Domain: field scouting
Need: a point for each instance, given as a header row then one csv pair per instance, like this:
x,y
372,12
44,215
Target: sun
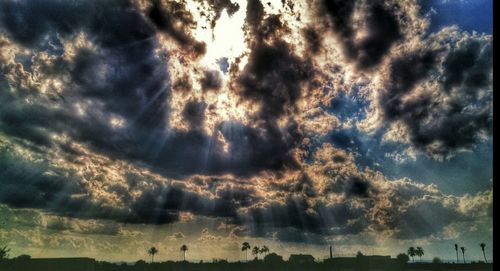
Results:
x,y
224,42
225,45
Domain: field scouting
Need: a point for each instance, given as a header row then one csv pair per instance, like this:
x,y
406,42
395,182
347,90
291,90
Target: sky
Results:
x,y
299,125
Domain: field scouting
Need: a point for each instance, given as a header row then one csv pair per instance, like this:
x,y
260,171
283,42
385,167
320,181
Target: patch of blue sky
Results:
x,y
469,15
349,105
466,172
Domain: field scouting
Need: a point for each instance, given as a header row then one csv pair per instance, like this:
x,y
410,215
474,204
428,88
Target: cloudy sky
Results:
x,y
365,125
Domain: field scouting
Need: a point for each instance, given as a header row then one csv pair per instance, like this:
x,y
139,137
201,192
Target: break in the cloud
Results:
x,y
129,114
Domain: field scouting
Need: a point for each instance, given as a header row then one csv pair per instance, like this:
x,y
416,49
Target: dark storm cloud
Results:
x,y
457,114
255,13
113,23
358,187
271,27
33,123
59,191
123,77
273,78
63,192
237,196
39,186
366,204
313,221
382,29
184,153
123,74
274,73
183,84
313,39
211,80
350,186
30,21
174,19
218,6
302,186
406,72
291,214
194,114
430,217
131,82
256,149
468,67
162,205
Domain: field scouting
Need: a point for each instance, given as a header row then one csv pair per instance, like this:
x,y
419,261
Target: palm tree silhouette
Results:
x,y
184,248
412,253
483,245
419,252
152,251
245,247
255,251
463,252
4,252
264,250
456,250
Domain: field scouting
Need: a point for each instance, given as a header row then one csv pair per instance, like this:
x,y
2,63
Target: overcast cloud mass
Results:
x,y
366,125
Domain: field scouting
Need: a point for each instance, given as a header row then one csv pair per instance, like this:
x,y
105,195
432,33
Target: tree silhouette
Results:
x,y
264,250
402,258
483,245
436,260
359,254
456,250
273,259
255,251
245,247
184,248
152,251
4,252
463,252
412,253
419,252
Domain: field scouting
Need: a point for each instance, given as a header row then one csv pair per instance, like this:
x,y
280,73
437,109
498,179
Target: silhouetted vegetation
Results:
x,y
436,260
412,253
419,252
4,252
403,258
152,251
270,261
184,248
255,252
273,259
245,247
483,245
264,250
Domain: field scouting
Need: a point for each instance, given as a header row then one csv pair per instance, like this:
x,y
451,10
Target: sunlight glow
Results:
x,y
228,38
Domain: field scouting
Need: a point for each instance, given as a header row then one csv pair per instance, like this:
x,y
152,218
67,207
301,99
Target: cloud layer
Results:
x,y
111,111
